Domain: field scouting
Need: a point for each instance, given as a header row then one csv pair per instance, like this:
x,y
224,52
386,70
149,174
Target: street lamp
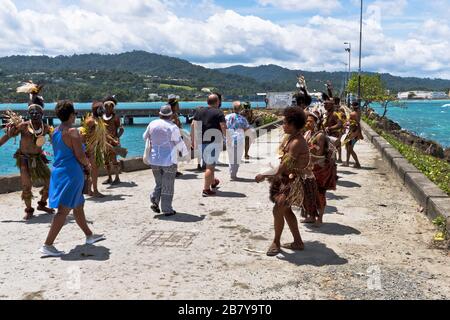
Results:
x,y
349,50
360,53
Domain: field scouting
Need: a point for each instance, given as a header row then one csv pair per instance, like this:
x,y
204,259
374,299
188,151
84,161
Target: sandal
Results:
x,y
294,247
155,208
273,251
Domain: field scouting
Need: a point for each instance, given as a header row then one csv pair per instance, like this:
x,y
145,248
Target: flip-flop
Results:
x,y
293,247
273,251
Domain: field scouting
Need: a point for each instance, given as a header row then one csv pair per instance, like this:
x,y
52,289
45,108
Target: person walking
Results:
x,y
164,140
237,125
67,179
213,128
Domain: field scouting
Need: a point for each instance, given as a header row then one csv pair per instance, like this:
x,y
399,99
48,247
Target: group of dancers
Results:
x,y
101,131
306,170
308,157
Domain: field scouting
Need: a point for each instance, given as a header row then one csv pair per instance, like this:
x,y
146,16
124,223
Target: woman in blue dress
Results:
x,y
67,179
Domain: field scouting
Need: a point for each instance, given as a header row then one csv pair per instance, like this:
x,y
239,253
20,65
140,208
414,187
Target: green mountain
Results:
x,y
132,76
278,76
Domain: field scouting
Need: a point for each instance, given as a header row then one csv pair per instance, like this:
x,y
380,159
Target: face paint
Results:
x,y
35,114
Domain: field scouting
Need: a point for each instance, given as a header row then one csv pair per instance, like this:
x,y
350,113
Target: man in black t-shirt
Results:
x,y
211,122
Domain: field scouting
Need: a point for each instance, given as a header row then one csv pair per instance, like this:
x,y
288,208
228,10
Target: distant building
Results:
x,y
422,95
154,97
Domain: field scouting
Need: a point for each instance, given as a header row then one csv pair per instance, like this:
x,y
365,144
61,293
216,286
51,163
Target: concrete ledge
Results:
x,y
389,154
439,207
368,131
401,167
428,194
134,164
422,188
380,143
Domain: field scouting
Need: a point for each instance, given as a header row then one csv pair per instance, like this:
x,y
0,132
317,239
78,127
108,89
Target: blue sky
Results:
x,y
403,37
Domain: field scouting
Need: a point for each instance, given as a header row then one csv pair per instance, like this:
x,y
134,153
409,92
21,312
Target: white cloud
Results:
x,y
219,36
303,5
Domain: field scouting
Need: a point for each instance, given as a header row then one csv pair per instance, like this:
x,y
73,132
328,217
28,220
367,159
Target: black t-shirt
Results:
x,y
211,118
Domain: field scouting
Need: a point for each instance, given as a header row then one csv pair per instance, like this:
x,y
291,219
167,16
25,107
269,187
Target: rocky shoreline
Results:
x,y
427,146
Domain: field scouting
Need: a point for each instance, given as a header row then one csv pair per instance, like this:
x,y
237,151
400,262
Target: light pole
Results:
x,y
349,50
360,53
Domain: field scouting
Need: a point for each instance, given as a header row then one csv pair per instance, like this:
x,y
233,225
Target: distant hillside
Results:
x,y
278,76
150,69
134,75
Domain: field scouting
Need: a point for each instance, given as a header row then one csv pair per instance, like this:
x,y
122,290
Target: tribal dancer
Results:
x,y
97,141
354,135
323,155
287,188
115,130
30,157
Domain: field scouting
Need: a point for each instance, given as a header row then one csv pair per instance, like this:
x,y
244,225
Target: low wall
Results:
x,y
11,183
434,201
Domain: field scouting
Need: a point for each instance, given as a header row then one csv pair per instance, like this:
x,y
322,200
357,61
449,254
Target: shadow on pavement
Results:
x,y
334,229
245,180
87,252
331,210
123,185
346,172
181,217
188,177
117,197
332,196
348,184
41,219
315,254
223,194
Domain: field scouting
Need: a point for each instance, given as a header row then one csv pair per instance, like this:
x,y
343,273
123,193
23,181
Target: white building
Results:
x,y
423,95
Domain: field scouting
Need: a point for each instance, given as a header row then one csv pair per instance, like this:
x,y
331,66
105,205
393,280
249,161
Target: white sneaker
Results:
x,y
50,251
95,238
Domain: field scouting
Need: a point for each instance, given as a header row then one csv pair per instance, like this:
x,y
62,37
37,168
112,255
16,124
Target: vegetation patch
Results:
x,y
435,169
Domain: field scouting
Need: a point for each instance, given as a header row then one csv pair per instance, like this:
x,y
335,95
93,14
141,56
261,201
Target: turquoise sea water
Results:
x,y
428,119
132,138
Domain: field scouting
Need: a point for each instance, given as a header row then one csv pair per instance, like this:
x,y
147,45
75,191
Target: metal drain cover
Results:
x,y
171,239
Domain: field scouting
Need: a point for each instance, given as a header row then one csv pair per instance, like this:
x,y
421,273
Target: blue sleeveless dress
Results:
x,y
67,180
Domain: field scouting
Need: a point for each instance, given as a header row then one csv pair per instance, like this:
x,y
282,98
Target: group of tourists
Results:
x,y
307,168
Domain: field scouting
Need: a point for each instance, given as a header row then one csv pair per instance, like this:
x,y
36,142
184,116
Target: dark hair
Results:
x,y
64,109
111,98
295,117
303,98
35,99
96,106
355,104
337,101
219,95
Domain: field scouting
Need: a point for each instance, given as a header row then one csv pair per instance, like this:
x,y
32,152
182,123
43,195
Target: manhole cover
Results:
x,y
173,239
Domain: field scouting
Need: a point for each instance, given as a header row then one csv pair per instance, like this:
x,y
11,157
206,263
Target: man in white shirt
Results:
x,y
166,143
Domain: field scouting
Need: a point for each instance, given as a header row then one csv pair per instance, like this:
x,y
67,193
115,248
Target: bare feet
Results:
x,y
274,250
308,220
28,214
357,166
45,209
109,181
294,246
97,194
346,165
116,182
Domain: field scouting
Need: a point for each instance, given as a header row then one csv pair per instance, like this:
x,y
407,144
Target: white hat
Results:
x,y
166,111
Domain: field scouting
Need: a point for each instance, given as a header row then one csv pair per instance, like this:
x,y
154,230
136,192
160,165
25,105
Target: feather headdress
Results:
x,y
33,90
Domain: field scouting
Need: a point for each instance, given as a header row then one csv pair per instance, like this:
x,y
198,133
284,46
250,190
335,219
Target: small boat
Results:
x,y
446,105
